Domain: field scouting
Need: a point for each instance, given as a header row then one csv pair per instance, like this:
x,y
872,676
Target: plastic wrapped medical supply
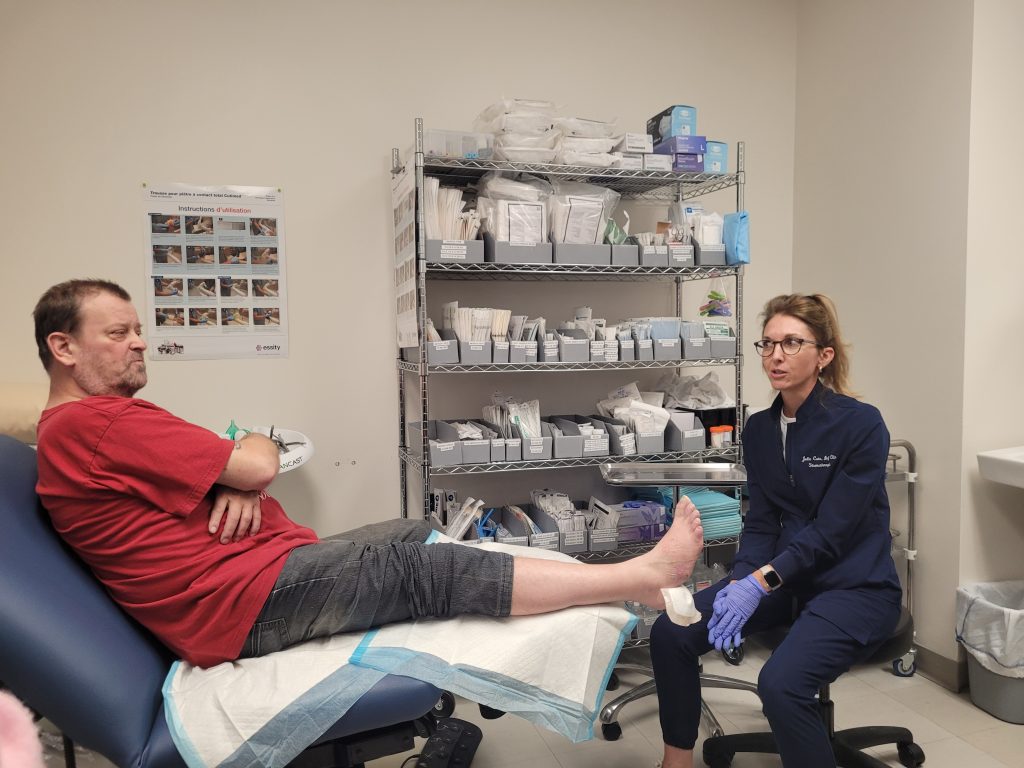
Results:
x,y
579,212
514,210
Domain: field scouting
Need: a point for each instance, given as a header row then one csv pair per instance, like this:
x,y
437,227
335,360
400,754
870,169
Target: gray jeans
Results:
x,y
378,574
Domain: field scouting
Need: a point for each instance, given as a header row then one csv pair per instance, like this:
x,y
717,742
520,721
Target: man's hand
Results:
x,y
240,511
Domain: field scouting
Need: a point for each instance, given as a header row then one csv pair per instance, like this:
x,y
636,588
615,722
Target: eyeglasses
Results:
x,y
790,345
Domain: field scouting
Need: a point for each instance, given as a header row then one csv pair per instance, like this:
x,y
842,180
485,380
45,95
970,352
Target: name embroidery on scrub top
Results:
x,y
819,462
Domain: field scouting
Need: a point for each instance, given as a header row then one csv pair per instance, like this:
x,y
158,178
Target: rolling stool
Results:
x,y
846,744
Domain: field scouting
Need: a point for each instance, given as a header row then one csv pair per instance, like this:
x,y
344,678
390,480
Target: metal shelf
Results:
x,y
591,461
404,365
654,186
632,550
492,271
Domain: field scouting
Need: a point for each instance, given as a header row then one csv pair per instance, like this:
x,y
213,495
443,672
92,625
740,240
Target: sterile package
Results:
x,y
514,221
586,159
578,126
636,142
657,162
634,162
525,154
586,144
516,116
547,140
579,212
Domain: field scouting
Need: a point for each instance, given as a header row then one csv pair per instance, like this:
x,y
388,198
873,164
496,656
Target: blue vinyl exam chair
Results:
x,y
70,653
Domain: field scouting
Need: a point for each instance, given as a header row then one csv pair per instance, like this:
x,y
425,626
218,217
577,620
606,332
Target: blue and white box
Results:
x,y
716,158
682,145
677,120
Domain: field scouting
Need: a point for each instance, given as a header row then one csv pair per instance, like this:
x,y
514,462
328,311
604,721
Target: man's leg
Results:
x,y
339,585
675,655
386,532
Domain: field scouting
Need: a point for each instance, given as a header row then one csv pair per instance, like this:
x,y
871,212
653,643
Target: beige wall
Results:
x,y
881,224
311,96
992,525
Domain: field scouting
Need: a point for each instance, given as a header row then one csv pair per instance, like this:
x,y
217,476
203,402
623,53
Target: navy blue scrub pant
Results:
x,y
814,652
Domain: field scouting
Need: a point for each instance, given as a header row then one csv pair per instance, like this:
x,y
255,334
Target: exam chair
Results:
x,y
70,653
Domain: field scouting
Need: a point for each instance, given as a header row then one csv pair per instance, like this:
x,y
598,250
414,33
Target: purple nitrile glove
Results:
x,y
733,611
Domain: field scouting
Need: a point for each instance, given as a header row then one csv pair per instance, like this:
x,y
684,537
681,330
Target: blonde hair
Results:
x,y
818,312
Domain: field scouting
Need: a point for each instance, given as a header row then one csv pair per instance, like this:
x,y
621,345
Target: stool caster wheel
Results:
x,y
733,655
718,759
611,731
613,682
910,754
901,669
490,713
444,707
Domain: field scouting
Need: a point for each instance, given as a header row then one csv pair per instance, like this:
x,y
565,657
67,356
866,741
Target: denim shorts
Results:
x,y
378,574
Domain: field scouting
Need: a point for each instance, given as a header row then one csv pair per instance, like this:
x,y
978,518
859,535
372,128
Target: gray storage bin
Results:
x,y
500,252
565,446
513,449
520,534
547,351
597,353
627,351
709,255
603,540
697,349
667,349
680,255
442,352
722,346
499,351
644,349
520,352
677,439
444,445
573,350
653,255
475,352
650,442
595,444
576,253
625,255
569,542
455,251
535,448
498,453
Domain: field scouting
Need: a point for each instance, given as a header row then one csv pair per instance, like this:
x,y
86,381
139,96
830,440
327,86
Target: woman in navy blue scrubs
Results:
x,y
815,552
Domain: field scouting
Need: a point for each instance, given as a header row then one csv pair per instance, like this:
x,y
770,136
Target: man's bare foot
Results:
x,y
671,561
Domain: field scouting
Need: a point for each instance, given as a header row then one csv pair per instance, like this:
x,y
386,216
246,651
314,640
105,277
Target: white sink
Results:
x,y
1005,465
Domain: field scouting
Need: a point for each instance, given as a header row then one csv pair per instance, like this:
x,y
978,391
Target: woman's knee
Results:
x,y
779,689
690,641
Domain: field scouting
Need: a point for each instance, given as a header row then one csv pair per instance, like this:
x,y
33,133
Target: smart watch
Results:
x,y
771,578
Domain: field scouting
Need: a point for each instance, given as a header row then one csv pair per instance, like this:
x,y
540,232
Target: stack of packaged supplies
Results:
x,y
719,512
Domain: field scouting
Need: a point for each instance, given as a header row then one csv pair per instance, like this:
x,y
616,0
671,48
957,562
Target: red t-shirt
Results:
x,y
128,486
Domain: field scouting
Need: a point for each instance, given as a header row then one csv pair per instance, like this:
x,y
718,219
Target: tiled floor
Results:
x,y
950,729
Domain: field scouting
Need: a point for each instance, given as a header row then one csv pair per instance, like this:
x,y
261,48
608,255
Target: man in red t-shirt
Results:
x,y
176,523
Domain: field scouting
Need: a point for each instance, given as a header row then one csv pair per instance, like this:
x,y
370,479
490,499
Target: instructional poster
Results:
x,y
403,199
215,265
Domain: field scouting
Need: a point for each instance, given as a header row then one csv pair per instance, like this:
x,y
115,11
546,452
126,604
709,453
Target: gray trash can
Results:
x,y
990,626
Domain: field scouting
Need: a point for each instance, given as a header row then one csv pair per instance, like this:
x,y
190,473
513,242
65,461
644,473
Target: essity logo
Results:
x,y
171,348
268,347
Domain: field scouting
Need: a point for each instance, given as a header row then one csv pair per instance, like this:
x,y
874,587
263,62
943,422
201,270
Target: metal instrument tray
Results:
x,y
655,473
